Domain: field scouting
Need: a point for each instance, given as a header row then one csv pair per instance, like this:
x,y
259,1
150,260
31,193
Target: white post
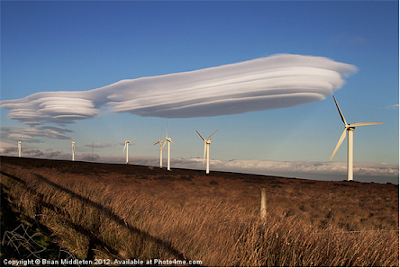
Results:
x,y
350,155
160,157
169,154
19,149
263,210
208,158
127,152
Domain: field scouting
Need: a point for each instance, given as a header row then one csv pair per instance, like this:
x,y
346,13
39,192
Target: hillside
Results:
x,y
119,212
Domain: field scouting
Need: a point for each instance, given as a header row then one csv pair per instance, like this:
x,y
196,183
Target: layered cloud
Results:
x,y
28,133
278,81
50,107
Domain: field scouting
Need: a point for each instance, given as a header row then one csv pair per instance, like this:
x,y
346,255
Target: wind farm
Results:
x,y
262,80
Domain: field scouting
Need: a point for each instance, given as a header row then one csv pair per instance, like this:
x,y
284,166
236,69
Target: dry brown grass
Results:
x,y
104,211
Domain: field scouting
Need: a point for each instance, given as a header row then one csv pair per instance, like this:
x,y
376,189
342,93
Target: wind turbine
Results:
x,y
207,143
168,139
73,150
160,141
19,148
348,128
127,149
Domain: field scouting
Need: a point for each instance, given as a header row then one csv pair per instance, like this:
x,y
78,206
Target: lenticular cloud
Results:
x,y
278,81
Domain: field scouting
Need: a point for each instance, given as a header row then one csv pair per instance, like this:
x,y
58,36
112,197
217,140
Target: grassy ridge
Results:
x,y
119,211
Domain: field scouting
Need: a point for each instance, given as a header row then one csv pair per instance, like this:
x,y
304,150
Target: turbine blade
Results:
x,y
124,148
200,135
172,141
212,134
340,112
165,142
161,134
339,142
364,124
156,143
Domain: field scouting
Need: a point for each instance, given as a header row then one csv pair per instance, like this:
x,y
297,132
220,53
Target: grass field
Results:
x,y
118,212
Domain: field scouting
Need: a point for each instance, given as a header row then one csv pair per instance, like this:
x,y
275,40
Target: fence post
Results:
x,y
263,210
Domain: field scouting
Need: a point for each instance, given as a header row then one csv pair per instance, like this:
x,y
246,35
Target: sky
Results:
x,y
262,72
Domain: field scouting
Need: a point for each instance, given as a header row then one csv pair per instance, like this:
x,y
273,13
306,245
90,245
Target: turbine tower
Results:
x,y
168,139
207,143
127,149
19,148
73,150
160,141
348,128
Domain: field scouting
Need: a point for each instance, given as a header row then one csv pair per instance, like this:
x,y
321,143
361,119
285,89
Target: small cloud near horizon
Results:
x,y
392,107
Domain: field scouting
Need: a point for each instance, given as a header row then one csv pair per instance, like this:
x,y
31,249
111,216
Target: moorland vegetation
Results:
x,y
119,212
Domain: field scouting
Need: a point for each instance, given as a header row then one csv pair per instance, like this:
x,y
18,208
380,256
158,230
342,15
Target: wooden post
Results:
x,y
263,210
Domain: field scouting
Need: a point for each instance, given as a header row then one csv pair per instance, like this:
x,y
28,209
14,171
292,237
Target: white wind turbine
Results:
x,y
168,139
160,141
127,149
207,143
348,128
19,148
73,150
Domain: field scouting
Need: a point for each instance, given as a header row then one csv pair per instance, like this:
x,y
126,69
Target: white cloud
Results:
x,y
332,168
27,133
366,172
273,82
394,107
50,107
277,168
6,147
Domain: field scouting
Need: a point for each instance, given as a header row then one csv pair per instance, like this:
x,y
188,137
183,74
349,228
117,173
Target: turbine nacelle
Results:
x,y
126,144
159,142
73,146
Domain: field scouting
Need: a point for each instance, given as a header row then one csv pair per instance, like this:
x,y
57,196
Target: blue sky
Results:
x,y
79,46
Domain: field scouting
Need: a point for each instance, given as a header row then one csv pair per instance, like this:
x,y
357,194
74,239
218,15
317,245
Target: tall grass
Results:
x,y
120,216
